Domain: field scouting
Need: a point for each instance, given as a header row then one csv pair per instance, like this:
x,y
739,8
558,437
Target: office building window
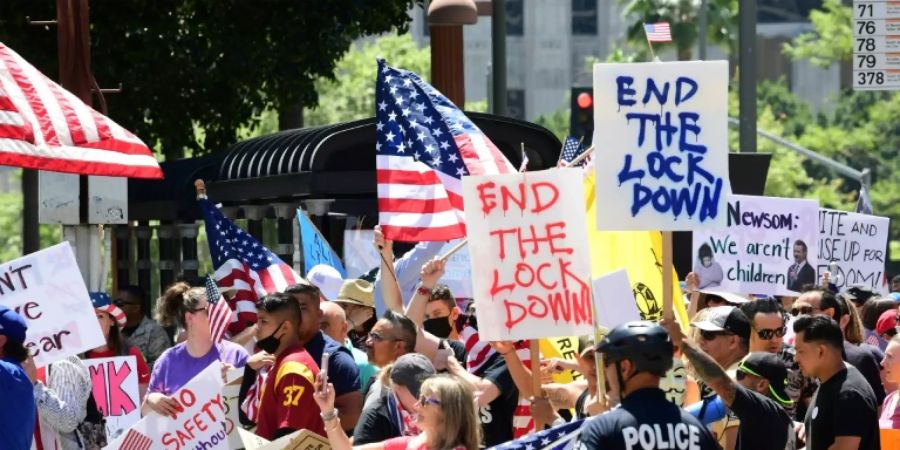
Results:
x,y
515,18
515,103
584,17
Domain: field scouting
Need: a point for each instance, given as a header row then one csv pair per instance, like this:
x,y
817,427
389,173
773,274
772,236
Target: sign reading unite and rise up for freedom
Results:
x,y
662,131
530,267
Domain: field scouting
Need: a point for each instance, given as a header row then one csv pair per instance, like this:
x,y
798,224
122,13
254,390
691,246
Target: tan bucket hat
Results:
x,y
357,292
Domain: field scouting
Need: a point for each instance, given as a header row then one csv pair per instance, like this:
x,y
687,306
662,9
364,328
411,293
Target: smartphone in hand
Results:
x,y
323,371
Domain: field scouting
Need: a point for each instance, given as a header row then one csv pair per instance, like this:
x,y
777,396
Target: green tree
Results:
x,y
11,225
683,18
215,65
350,93
831,39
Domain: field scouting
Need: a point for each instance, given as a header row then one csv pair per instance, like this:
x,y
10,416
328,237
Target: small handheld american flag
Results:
x,y
658,32
572,148
219,311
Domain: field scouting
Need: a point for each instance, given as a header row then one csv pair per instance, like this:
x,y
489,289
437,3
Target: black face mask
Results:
x,y
270,343
438,326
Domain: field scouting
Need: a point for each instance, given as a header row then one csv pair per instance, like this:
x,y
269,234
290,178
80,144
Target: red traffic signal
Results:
x,y
585,100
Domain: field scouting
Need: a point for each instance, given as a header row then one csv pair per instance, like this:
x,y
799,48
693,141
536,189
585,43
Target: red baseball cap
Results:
x,y
886,321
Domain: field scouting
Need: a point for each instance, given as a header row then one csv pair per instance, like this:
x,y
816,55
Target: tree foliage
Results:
x,y
208,64
683,18
832,38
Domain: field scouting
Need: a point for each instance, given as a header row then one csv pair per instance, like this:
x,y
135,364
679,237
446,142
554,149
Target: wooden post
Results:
x,y
668,312
536,377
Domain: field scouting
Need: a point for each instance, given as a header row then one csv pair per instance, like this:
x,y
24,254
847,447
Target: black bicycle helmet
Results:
x,y
646,344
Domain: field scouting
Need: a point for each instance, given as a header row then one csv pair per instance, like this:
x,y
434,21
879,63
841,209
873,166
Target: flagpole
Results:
x,y
536,378
668,313
649,44
581,157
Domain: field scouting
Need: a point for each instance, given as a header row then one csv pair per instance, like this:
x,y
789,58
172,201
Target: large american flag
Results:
x,y
424,146
244,265
219,311
43,126
563,437
658,32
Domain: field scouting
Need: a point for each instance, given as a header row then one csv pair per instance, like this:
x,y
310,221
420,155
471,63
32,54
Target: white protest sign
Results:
x,y
530,263
115,382
46,289
769,247
458,270
614,300
856,243
202,420
661,130
360,256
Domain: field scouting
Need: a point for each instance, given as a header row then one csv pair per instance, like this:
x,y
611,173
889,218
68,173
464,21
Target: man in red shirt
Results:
x,y
286,403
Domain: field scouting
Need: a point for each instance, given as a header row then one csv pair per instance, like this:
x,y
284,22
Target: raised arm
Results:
x,y
706,368
430,274
520,374
692,283
390,289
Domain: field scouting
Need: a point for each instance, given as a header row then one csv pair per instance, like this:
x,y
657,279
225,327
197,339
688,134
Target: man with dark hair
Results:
x,y
342,369
824,302
768,327
142,331
287,402
800,273
19,411
895,283
843,414
393,336
636,355
756,395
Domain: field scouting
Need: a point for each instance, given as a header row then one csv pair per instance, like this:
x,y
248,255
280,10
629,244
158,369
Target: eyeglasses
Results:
x,y
710,335
375,337
768,333
801,310
426,400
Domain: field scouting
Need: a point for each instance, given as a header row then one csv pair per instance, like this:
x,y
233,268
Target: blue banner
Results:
x,y
315,248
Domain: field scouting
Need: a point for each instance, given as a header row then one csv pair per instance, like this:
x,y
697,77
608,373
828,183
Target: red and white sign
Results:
x,y
528,247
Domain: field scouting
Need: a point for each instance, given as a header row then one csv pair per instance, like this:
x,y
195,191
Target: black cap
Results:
x,y
772,368
644,343
858,293
725,318
411,370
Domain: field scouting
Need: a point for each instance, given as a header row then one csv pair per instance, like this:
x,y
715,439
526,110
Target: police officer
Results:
x,y
636,355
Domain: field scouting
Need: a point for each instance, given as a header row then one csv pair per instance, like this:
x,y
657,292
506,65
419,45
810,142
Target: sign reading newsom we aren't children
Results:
x,y
661,130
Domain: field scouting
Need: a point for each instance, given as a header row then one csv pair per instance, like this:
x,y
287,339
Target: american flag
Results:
x,y
220,311
572,148
563,437
135,441
424,146
244,265
658,32
43,126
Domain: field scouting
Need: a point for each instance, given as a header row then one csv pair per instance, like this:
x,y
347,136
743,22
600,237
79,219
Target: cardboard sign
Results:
x,y
46,288
530,265
316,249
856,244
769,247
202,421
115,383
360,255
298,440
614,300
662,134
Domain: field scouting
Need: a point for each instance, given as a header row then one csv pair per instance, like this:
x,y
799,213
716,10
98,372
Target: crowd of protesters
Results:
x,y
407,369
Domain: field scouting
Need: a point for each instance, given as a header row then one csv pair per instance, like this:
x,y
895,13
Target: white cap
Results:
x,y
327,279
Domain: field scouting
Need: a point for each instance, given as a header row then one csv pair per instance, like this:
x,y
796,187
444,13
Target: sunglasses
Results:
x,y
766,333
803,310
711,335
375,337
426,400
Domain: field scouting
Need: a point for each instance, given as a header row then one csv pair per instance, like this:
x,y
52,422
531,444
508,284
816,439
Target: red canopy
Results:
x,y
43,126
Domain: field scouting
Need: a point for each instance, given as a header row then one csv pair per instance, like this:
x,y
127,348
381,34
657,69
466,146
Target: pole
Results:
x,y
668,311
747,82
498,56
704,18
536,376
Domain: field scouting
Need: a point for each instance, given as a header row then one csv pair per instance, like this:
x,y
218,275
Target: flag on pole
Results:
x,y
562,437
244,265
424,146
864,204
658,32
43,126
219,311
572,149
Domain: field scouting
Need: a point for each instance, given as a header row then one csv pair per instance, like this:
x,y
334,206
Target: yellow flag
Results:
x,y
640,253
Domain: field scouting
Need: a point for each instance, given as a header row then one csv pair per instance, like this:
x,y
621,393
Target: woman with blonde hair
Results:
x,y
188,308
445,417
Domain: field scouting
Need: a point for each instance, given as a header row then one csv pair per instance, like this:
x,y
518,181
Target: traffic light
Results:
x,y
581,121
